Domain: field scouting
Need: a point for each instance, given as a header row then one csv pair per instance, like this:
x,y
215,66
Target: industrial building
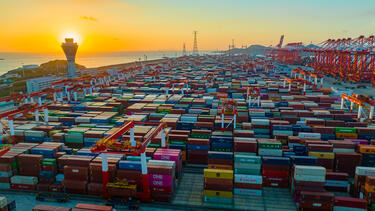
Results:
x,y
38,84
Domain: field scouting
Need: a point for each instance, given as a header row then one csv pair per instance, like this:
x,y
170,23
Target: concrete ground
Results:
x,y
369,90
188,196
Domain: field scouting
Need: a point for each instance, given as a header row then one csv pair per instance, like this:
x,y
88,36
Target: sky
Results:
x,y
154,25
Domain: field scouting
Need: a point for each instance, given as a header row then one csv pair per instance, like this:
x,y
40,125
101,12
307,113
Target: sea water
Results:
x,y
11,61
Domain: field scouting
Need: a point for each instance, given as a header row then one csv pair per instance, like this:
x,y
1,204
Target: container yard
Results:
x,y
220,132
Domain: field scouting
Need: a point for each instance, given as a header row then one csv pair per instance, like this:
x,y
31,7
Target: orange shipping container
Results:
x,y
346,135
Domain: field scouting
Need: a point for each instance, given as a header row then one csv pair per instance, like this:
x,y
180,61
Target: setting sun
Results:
x,y
71,34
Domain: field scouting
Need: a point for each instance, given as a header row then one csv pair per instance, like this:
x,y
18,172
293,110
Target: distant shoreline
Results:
x,y
130,64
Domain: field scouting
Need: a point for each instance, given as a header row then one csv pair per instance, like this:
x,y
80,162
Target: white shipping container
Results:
x,y
365,171
53,118
282,132
255,166
3,201
161,163
24,180
309,170
309,135
343,150
260,121
19,132
270,152
267,105
310,178
35,133
83,119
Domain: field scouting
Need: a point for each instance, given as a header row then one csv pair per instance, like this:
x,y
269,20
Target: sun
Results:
x,y
71,34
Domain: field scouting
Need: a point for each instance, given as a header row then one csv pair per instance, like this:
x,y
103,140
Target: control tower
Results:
x,y
70,50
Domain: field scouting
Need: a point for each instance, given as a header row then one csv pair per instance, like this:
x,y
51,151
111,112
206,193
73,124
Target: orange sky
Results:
x,y
143,25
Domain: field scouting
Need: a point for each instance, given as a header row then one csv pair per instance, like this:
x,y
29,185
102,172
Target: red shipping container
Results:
x,y
75,186
95,188
342,144
160,170
248,186
220,161
162,189
320,147
23,187
275,173
162,197
49,168
350,202
276,182
76,173
42,207
315,205
275,167
245,146
93,207
197,141
337,176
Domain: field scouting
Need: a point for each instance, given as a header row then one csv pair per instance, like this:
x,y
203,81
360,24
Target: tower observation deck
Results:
x,y
70,50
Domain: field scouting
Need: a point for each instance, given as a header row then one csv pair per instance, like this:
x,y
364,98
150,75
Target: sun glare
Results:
x,y
71,34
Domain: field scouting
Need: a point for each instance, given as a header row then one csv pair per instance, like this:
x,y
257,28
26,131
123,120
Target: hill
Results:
x,y
252,50
51,68
54,68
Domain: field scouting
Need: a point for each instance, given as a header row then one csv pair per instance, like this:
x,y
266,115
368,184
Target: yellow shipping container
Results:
x,y
325,155
214,193
369,188
302,141
219,166
218,173
183,156
367,149
346,135
53,132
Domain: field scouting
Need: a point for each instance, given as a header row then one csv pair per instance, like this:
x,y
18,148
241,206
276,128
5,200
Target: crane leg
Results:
x,y
132,141
163,144
145,182
36,113
105,174
46,115
11,127
222,122
342,103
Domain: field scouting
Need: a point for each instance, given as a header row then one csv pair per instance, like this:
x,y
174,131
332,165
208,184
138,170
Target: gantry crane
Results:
x,y
111,144
351,59
364,104
299,73
182,84
298,81
228,107
20,111
288,54
253,96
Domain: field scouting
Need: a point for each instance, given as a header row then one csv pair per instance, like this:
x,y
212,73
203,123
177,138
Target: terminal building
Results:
x,y
37,84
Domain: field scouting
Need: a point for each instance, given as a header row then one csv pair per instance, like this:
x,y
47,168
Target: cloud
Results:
x,y
89,18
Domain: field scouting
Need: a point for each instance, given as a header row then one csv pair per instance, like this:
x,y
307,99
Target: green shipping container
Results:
x,y
200,135
154,145
49,162
269,145
345,130
177,142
